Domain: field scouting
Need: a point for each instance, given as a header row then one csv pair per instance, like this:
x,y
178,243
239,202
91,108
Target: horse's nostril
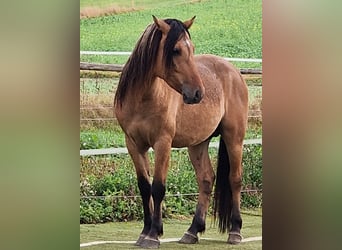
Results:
x,y
186,99
191,96
198,96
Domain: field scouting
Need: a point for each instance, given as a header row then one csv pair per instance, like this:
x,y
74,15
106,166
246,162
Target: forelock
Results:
x,y
177,30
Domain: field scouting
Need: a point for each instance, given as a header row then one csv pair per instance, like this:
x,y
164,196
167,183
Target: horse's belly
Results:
x,y
193,127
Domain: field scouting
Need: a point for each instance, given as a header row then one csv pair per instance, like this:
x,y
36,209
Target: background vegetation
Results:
x,y
226,28
108,186
109,189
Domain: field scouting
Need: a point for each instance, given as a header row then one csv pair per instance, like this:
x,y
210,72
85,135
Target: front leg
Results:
x,y
142,168
162,151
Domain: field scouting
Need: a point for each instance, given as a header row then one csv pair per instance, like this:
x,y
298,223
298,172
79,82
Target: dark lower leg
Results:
x,y
145,191
236,221
162,150
158,193
235,180
198,222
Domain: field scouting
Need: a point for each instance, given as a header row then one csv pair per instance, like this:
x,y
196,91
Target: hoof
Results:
x,y
149,243
234,238
189,238
140,239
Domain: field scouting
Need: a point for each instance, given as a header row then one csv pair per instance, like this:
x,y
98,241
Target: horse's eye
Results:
x,y
176,52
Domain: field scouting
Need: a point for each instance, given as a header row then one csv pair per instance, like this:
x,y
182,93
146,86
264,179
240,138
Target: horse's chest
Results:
x,y
147,127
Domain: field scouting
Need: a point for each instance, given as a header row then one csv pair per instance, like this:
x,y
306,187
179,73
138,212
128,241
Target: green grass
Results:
x,y
113,136
129,231
106,138
226,28
102,138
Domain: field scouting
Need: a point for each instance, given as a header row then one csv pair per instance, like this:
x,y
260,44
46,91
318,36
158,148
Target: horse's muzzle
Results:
x,y
191,96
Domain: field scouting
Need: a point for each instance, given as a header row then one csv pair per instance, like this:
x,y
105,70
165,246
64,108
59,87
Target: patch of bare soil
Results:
x,y
89,12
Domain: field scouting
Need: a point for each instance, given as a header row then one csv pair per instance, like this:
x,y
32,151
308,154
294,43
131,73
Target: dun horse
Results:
x,y
168,97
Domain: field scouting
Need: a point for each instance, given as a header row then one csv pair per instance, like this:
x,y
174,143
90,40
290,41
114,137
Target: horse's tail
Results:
x,y
223,192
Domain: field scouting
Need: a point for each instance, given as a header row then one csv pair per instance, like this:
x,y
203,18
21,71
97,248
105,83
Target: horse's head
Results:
x,y
175,60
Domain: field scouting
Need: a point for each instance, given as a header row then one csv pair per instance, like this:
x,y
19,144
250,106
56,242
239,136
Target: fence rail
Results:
x,y
108,151
166,195
126,53
119,67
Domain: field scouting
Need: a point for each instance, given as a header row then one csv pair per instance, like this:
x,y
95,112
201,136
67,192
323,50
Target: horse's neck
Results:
x,y
156,90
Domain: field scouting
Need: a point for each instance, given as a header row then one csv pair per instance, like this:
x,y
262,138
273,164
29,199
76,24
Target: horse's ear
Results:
x,y
189,22
162,25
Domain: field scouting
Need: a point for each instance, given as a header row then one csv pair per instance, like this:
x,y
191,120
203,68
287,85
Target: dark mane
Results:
x,y
138,69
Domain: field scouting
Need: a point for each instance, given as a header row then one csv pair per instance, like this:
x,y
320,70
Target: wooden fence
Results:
x,y
119,67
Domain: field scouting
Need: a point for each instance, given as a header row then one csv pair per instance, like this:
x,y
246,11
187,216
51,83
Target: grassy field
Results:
x,y
211,239
227,28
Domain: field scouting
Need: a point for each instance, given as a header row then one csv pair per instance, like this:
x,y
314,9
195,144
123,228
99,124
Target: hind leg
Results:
x,y
234,146
205,178
235,179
